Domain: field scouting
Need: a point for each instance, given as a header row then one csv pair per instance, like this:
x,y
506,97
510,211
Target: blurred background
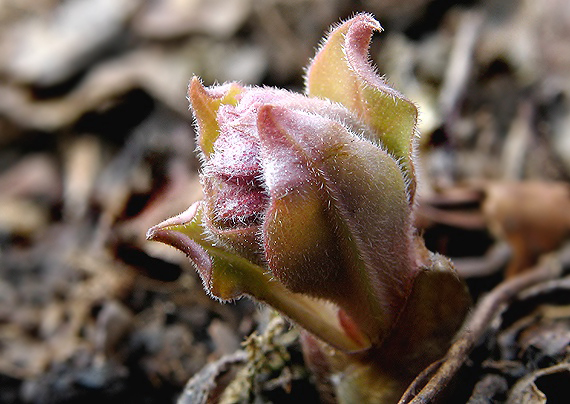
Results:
x,y
97,145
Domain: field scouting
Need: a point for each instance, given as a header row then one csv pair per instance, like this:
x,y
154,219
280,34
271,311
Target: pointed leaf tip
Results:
x,y
342,72
205,103
171,232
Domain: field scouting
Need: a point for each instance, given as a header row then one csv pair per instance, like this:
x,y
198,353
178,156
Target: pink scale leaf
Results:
x,y
338,225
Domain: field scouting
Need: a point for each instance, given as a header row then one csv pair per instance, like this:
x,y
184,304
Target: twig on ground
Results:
x,y
496,258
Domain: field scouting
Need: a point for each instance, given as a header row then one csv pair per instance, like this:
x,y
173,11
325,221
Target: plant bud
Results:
x,y
308,199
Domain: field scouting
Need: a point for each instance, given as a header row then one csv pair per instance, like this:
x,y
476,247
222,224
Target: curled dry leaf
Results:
x,y
531,216
162,73
52,49
171,18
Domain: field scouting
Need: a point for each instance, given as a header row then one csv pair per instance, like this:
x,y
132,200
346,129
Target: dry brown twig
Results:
x,y
432,381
